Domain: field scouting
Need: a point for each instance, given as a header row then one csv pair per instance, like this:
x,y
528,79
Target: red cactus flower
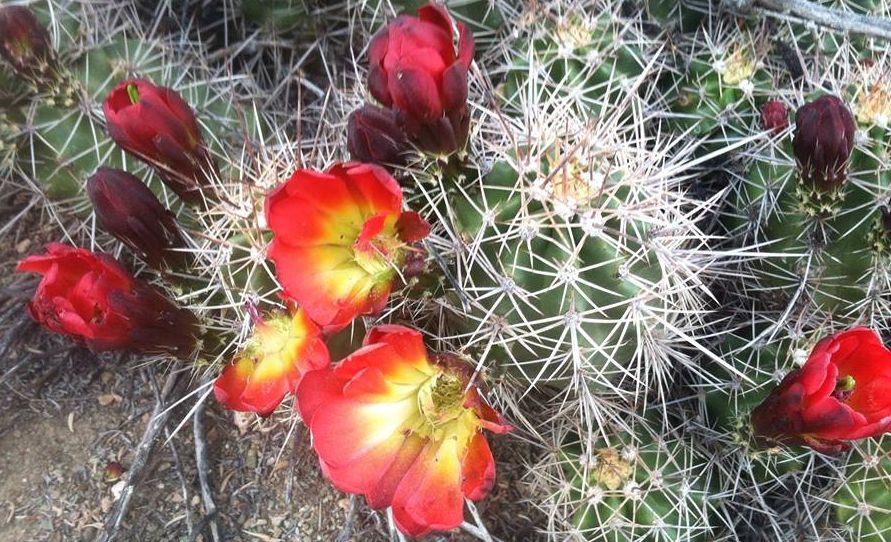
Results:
x,y
840,394
340,239
774,117
415,69
92,298
824,139
25,44
156,125
280,352
374,136
131,212
402,429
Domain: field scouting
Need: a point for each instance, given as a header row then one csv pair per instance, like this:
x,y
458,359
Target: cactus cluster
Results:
x,y
644,217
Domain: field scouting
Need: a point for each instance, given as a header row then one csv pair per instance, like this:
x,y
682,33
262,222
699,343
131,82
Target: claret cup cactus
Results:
x,y
641,247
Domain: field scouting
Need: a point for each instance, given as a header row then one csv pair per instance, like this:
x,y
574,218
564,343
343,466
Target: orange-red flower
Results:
x,y
402,429
842,393
92,298
340,240
280,352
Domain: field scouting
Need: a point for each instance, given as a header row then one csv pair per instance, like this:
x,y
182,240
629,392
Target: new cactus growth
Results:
x,y
647,485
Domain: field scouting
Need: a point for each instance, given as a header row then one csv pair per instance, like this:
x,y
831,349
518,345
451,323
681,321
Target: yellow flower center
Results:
x,y
572,181
574,32
441,399
382,256
275,344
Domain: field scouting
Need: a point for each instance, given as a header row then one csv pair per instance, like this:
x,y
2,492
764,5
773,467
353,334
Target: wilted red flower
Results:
x,y
374,136
824,139
402,429
282,349
128,210
156,125
340,240
25,44
415,69
91,297
840,394
774,116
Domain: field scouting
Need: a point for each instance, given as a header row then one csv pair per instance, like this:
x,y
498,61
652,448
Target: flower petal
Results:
x,y
477,469
429,496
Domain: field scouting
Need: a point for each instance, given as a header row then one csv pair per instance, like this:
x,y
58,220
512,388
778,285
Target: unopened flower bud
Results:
x,y
129,211
25,44
774,116
158,126
416,70
374,136
824,139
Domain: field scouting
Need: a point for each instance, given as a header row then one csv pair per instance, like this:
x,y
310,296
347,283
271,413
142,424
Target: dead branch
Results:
x,y
160,416
210,507
803,10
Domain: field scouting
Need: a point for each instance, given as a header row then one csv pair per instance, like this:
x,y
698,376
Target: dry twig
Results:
x,y
853,23
160,416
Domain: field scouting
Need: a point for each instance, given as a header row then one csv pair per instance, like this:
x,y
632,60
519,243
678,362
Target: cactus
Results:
x,y
571,249
862,502
63,136
644,483
828,252
720,83
572,256
584,59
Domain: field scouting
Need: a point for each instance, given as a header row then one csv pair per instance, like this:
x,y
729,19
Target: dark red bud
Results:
x,y
129,211
824,139
24,43
415,69
774,116
374,136
415,263
158,126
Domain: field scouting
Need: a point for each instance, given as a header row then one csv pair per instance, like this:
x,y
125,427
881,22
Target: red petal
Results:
x,y
429,496
381,494
478,469
394,366
317,388
454,87
376,191
370,230
465,46
417,93
408,344
390,458
436,15
344,430
411,227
